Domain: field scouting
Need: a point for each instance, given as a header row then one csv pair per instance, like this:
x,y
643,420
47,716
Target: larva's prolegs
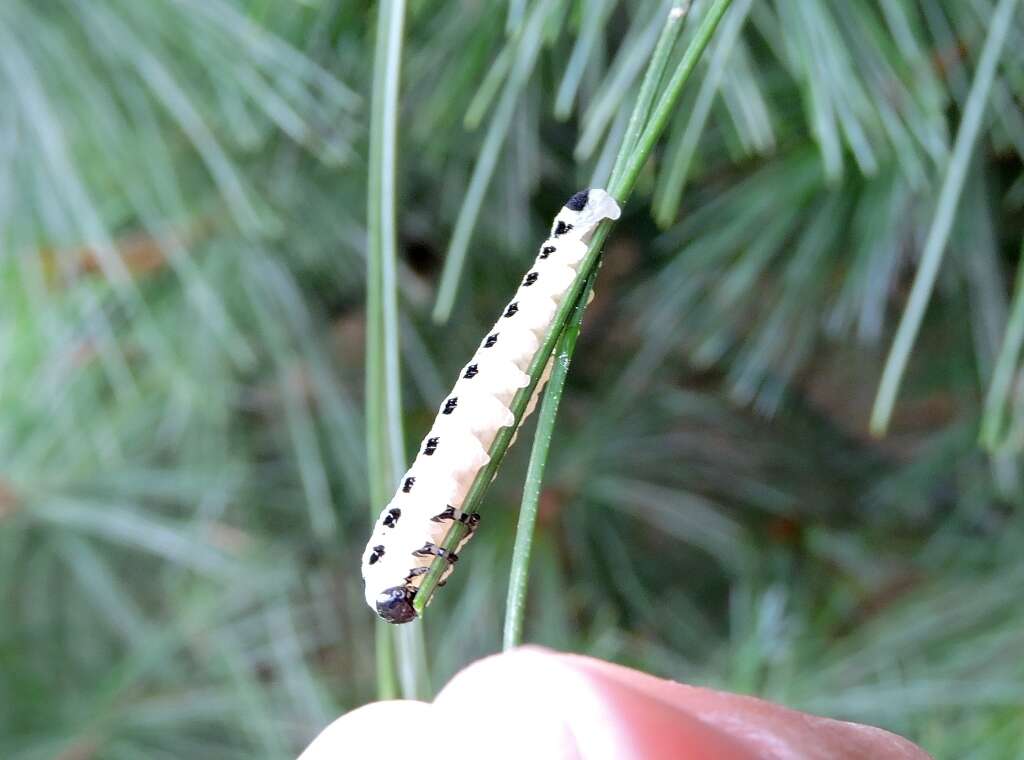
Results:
x,y
412,527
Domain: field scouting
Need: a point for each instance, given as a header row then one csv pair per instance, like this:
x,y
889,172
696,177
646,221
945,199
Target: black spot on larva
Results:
x,y
394,605
391,520
431,446
376,554
471,371
578,201
546,251
450,404
408,483
512,309
416,572
561,228
491,340
530,279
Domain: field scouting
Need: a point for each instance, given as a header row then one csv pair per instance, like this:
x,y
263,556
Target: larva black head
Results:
x,y
394,605
578,201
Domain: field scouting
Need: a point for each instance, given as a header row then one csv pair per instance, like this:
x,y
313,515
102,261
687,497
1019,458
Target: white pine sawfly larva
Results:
x,y
412,527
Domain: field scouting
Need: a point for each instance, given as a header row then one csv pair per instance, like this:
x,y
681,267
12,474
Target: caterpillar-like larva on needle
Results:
x,y
412,526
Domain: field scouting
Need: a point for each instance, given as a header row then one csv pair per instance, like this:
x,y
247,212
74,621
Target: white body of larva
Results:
x,y
411,528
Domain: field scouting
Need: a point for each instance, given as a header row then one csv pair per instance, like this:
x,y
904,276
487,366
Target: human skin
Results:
x,y
534,704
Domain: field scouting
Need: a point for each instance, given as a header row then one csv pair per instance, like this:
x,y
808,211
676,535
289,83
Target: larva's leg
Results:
x,y
545,376
430,548
448,514
471,521
416,572
535,398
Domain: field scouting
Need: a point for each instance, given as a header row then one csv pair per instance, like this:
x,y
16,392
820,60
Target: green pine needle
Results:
x,y
942,221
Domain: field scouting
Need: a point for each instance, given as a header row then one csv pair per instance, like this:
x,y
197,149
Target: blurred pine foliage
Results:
x,y
183,491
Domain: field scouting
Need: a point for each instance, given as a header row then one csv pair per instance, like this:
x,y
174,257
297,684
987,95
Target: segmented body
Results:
x,y
412,526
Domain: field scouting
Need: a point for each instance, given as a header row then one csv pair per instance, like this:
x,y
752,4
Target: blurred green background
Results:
x,y
183,480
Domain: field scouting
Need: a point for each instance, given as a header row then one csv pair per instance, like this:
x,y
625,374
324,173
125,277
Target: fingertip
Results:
x,y
503,701
537,703
540,704
759,724
379,729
